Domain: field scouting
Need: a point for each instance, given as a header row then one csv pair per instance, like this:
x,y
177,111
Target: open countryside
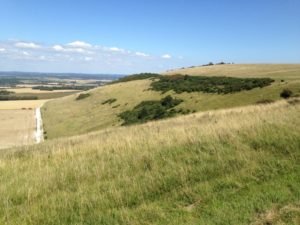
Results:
x,y
150,112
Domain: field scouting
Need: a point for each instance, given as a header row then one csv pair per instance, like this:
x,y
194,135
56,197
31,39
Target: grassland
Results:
x,y
17,128
66,116
274,71
234,166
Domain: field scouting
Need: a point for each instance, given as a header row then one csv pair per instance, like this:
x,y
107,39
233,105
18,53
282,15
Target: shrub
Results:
x,y
13,97
286,93
109,101
219,85
141,76
6,92
150,110
83,96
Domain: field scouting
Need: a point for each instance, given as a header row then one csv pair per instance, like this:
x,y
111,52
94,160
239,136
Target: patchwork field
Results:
x,y
17,127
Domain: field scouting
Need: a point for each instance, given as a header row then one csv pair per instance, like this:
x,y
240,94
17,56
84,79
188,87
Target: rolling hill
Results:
x,y
232,166
67,116
232,162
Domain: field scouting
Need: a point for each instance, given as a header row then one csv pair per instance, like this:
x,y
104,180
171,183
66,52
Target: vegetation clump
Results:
x,y
54,88
219,85
109,101
151,110
15,98
286,93
141,76
83,96
6,92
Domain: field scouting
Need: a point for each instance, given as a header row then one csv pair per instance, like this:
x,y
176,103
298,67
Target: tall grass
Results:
x,y
222,167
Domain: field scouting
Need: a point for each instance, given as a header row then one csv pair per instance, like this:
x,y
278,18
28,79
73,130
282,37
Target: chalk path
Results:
x,y
39,133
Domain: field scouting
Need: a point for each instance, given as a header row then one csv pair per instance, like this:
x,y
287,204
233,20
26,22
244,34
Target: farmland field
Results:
x,y
17,127
26,104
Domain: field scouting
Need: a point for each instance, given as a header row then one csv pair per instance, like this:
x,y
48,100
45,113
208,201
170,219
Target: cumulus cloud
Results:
x,y
88,58
141,54
166,56
79,55
79,44
116,49
58,48
30,45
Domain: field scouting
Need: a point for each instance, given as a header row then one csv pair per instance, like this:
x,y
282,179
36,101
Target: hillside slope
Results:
x,y
67,117
236,166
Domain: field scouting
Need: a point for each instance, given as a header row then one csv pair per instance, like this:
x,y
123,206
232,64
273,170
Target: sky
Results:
x,y
131,36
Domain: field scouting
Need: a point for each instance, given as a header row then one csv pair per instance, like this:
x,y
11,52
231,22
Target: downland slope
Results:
x,y
233,166
67,116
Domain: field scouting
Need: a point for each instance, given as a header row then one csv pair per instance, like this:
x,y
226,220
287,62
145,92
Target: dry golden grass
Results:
x,y
16,127
20,104
217,167
275,71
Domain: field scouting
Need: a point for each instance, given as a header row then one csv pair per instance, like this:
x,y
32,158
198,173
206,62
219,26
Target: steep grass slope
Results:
x,y
66,116
237,166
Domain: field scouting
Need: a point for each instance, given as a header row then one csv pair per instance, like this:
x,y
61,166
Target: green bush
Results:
x,y
286,93
109,101
141,76
219,85
6,92
83,96
14,98
150,110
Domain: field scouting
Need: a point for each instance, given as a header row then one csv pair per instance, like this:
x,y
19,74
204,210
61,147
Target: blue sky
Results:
x,y
110,36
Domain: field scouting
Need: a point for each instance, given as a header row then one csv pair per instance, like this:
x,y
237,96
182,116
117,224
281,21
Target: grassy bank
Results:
x,y
224,167
67,117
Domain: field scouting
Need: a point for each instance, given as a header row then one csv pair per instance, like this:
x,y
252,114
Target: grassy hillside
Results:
x,y
66,116
275,71
236,166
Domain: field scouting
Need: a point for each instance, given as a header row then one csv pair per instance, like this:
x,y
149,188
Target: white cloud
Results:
x,y
88,58
30,45
141,54
166,56
79,44
116,49
78,55
58,48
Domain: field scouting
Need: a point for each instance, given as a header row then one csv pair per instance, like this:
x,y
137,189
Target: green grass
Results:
x,y
223,167
66,117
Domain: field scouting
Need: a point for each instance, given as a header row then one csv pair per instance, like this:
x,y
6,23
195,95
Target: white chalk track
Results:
x,y
39,126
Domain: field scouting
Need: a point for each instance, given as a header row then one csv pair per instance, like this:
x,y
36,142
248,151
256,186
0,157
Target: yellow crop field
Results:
x,y
21,104
16,128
